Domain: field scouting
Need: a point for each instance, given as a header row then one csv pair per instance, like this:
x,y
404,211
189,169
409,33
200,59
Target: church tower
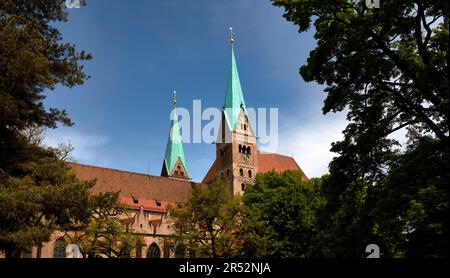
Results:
x,y
236,153
174,164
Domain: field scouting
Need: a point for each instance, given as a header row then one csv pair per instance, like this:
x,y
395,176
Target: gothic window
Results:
x,y
59,251
249,173
243,187
125,252
153,251
241,172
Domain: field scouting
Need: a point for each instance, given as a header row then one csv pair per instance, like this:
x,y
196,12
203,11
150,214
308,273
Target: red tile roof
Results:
x,y
211,175
278,163
149,205
144,188
266,163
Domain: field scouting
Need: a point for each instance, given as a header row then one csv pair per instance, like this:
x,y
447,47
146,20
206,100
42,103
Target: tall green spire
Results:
x,y
234,99
174,150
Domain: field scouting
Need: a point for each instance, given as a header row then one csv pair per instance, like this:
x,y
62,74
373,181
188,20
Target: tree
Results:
x,y
388,67
105,235
280,216
208,223
38,191
33,59
411,208
46,196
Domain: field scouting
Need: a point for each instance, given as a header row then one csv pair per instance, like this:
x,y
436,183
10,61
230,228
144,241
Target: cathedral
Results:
x,y
147,197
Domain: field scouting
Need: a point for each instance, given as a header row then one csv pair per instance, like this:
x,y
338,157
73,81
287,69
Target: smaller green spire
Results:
x,y
174,150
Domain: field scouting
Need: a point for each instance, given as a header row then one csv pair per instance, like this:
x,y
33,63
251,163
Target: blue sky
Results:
x,y
142,50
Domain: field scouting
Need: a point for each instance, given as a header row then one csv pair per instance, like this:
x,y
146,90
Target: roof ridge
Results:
x,y
125,171
263,152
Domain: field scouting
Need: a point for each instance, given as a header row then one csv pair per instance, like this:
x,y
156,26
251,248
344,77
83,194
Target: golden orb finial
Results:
x,y
231,35
174,98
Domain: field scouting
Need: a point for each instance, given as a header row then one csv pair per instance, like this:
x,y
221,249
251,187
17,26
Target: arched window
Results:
x,y
243,187
249,173
240,149
179,251
125,252
249,150
245,127
59,251
228,172
153,251
241,172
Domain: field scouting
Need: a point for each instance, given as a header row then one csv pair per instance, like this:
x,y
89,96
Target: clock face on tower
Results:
x,y
244,158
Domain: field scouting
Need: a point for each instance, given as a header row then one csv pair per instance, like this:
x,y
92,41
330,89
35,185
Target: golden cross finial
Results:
x,y
231,35
174,98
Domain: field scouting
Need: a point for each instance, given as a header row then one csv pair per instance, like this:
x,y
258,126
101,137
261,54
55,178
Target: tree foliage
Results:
x,y
388,67
280,216
46,195
105,235
411,207
38,191
33,59
208,223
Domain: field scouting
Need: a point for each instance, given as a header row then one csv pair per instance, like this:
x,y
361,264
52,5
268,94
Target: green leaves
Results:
x,y
388,68
209,222
38,192
33,59
45,196
104,234
280,215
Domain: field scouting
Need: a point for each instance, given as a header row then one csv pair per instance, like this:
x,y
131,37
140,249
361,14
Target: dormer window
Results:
x,y
158,203
135,199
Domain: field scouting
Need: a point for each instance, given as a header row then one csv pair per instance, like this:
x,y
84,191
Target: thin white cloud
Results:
x,y
87,147
310,142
